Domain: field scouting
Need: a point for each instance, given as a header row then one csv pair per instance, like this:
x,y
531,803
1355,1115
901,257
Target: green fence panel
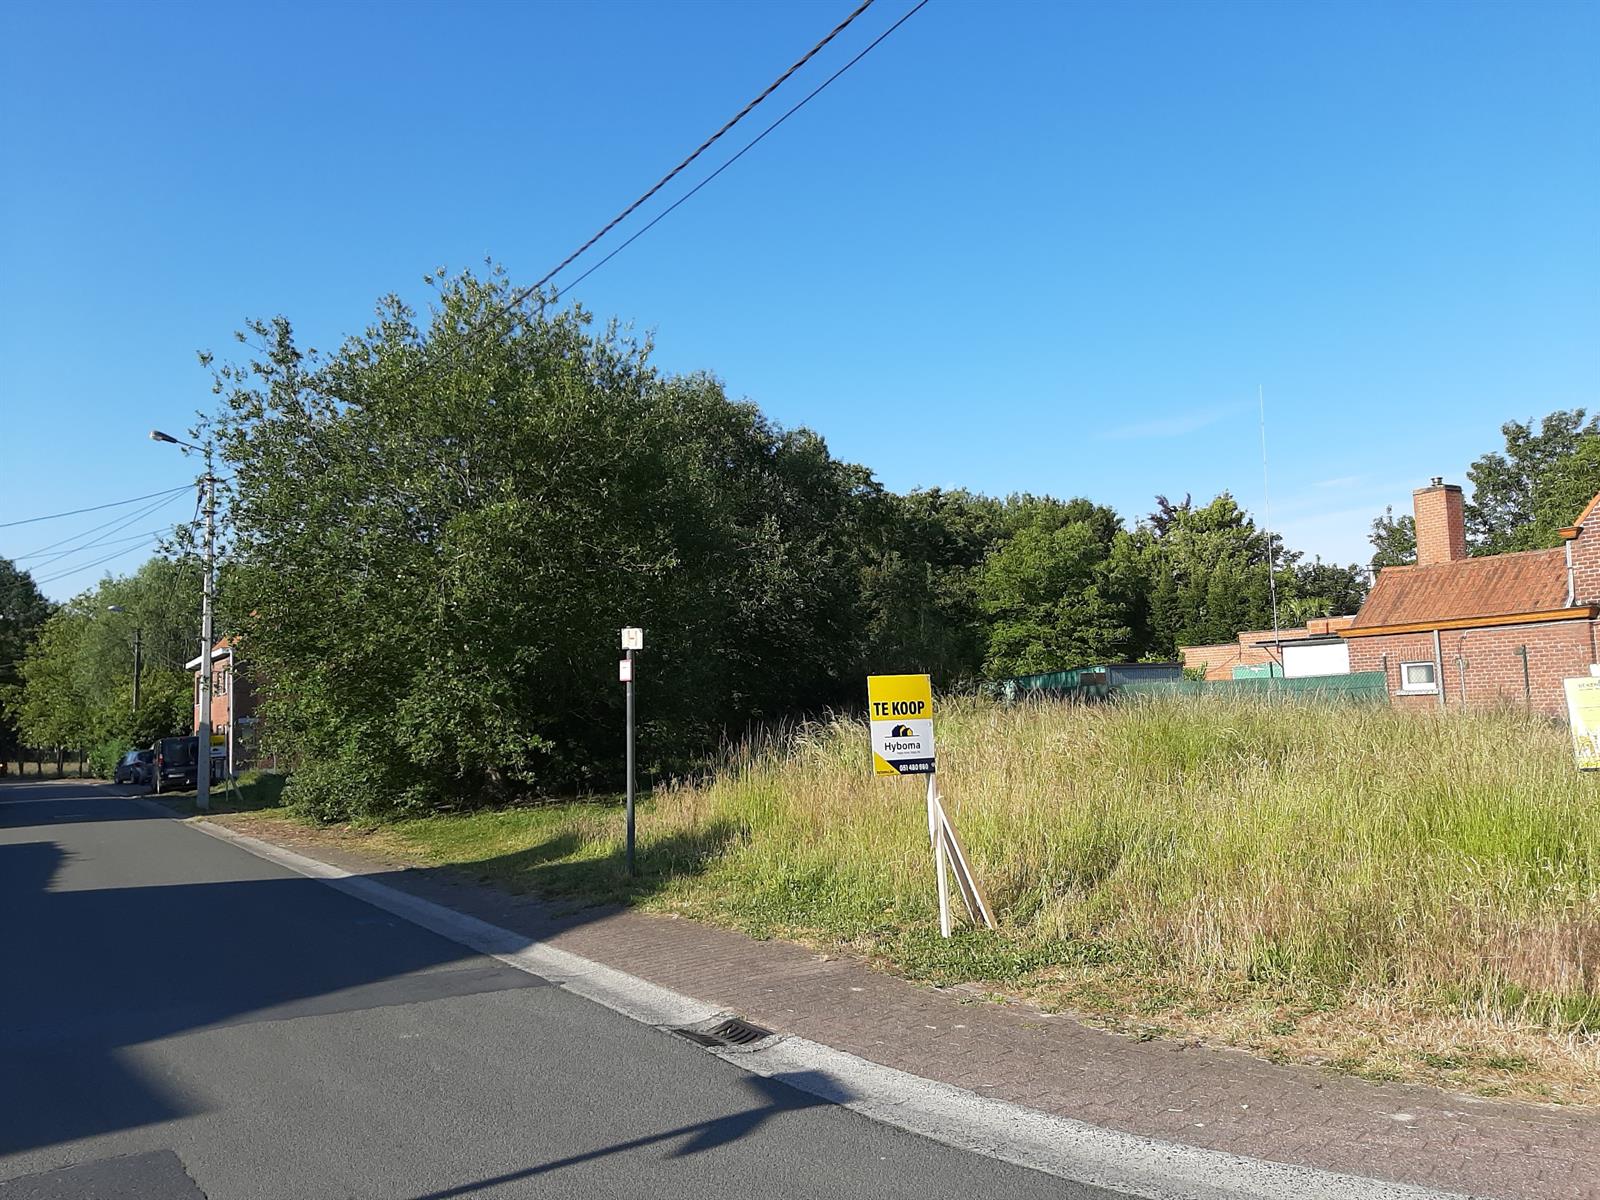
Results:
x,y
1360,687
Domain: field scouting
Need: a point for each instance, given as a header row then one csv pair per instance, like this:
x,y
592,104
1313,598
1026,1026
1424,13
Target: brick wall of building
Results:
x,y
1585,551
1219,660
1386,652
1493,672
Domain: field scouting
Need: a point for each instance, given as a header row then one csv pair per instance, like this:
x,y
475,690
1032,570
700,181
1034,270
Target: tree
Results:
x,y
76,680
919,586
53,710
23,612
439,529
1394,540
1521,496
1046,591
1206,574
1326,590
1564,491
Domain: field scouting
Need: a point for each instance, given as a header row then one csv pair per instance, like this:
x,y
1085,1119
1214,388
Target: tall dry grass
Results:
x,y
1452,858
1402,895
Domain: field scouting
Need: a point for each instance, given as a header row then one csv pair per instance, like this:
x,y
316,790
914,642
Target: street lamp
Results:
x,y
138,654
202,774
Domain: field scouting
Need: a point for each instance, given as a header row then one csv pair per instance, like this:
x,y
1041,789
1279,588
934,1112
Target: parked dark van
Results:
x,y
175,763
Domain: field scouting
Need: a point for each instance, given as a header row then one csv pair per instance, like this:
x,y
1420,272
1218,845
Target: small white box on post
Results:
x,y
632,639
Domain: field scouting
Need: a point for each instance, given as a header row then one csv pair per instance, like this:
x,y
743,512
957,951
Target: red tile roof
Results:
x,y
1497,585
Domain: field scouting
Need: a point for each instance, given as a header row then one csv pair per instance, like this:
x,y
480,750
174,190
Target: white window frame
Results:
x,y
1420,689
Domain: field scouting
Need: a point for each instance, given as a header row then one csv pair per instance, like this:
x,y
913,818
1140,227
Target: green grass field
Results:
x,y
1397,894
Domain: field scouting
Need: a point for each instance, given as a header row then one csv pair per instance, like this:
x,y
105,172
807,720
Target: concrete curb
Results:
x,y
1074,1150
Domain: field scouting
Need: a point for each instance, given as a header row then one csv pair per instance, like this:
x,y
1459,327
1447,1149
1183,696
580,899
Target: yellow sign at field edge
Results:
x,y
900,710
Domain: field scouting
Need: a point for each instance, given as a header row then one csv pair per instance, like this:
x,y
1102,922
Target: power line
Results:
x,y
699,150
146,536
95,508
74,537
117,526
100,541
140,515
751,146
89,565
511,307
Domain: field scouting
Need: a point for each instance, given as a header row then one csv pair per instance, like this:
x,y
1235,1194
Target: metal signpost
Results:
x,y
632,642
900,708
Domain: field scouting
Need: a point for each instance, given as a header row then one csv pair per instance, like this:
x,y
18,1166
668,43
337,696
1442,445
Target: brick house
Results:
x,y
1504,628
232,704
1259,648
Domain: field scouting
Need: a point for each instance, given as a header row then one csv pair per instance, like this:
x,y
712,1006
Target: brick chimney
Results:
x,y
1441,523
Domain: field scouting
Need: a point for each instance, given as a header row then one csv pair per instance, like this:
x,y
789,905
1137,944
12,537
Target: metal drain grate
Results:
x,y
731,1032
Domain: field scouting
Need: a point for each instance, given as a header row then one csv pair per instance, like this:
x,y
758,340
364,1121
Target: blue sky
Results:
x,y
1041,247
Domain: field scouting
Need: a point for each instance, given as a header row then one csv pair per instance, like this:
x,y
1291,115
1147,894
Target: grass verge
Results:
x,y
1396,895
259,792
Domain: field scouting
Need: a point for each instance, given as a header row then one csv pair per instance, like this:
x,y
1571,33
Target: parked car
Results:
x,y
175,762
136,766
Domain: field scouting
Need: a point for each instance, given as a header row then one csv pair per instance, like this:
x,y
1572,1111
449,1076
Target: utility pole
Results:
x,y
202,771
138,654
202,775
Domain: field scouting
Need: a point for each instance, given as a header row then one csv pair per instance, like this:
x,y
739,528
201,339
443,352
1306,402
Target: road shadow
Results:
x,y
60,802
206,937
776,1095
548,870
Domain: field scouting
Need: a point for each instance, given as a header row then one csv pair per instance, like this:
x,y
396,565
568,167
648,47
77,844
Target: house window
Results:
x,y
1418,677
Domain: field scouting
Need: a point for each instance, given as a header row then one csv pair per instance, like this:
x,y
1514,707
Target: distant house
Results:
x,y
232,705
1504,628
1314,649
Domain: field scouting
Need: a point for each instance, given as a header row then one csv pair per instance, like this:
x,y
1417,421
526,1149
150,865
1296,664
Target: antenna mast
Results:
x,y
1266,495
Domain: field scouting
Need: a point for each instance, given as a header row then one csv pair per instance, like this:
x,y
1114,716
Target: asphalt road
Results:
x,y
180,1019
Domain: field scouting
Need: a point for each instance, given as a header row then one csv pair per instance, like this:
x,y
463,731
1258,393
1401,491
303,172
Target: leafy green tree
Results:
x,y
1206,572
918,585
1394,540
1522,495
1048,591
23,612
1564,491
53,709
1326,590
439,529
76,680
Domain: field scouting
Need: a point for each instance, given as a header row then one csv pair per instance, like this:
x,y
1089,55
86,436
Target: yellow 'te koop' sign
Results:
x,y
900,708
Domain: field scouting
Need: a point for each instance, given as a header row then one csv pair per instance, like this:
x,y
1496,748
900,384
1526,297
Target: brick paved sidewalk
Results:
x,y
1213,1098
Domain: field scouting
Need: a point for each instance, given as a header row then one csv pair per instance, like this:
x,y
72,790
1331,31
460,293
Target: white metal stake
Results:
x,y
970,892
949,842
936,832
944,889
